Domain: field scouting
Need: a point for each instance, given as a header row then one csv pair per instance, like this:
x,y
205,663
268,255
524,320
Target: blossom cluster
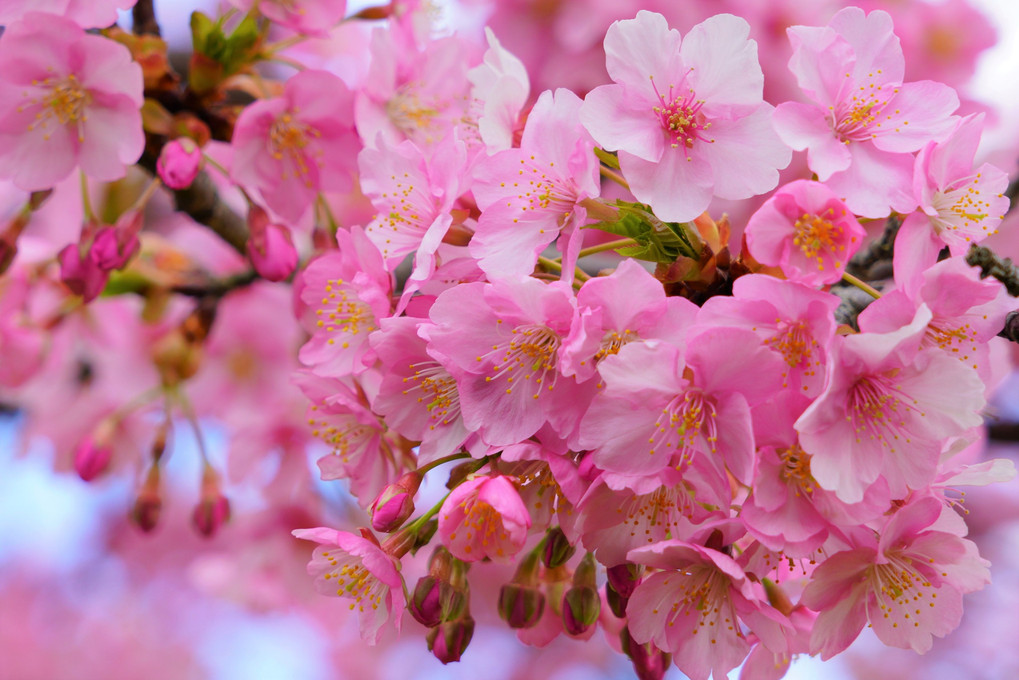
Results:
x,y
717,455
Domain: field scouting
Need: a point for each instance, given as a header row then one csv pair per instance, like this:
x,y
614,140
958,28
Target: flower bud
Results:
x,y
448,641
625,578
92,456
270,247
213,510
558,549
80,273
179,163
426,603
395,504
521,606
617,603
147,506
649,662
581,607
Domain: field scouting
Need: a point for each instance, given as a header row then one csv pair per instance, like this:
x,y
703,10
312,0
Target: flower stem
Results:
x,y
865,287
614,176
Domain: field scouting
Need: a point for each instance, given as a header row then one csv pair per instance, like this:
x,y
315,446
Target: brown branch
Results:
x,y
202,202
143,18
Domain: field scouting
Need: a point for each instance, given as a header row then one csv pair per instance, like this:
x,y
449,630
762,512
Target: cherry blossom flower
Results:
x,y
356,568
308,17
530,195
68,99
499,89
807,231
85,13
687,117
864,121
907,581
289,148
484,517
959,206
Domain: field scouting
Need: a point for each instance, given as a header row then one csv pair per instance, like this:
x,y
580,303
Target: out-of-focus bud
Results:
x,y
558,549
649,662
521,606
213,510
179,163
270,247
80,273
581,603
114,247
617,603
448,641
94,452
395,504
9,239
147,506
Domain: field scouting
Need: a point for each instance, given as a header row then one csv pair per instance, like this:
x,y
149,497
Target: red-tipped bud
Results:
x,y
92,457
395,504
625,578
521,606
649,662
617,603
179,163
270,247
448,641
426,603
81,274
148,505
213,510
558,549
581,607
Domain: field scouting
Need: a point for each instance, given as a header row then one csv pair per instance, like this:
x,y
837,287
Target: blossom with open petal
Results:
x,y
484,517
353,567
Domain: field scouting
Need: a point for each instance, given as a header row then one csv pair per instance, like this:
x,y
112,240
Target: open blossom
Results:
x,y
687,117
907,581
289,148
499,89
864,121
356,568
85,13
484,517
530,195
807,231
959,206
887,409
695,607
68,100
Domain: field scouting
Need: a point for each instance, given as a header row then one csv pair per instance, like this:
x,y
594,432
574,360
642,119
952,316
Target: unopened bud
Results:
x,y
80,273
558,549
617,603
147,506
625,578
270,247
395,504
581,607
448,641
521,606
213,510
649,662
91,458
179,163
426,603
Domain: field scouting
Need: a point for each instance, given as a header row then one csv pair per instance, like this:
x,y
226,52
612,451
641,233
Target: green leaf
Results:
x,y
656,241
609,159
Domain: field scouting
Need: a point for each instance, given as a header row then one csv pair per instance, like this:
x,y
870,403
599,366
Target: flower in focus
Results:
x,y
484,517
356,568
68,99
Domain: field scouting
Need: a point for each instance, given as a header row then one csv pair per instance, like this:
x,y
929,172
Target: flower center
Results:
x,y
859,117
413,116
874,407
343,311
680,116
531,355
63,100
685,418
436,389
353,580
963,209
612,342
288,139
817,236
796,468
483,524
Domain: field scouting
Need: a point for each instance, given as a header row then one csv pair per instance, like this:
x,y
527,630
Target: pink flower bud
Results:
x,y
92,457
581,607
448,641
649,662
213,510
179,163
271,251
558,549
112,248
149,503
395,504
81,274
521,606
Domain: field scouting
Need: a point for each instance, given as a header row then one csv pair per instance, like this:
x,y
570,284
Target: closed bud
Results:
x,y
270,247
625,578
395,504
649,662
617,603
213,510
426,603
521,606
145,513
581,607
448,641
179,163
558,549
94,452
80,273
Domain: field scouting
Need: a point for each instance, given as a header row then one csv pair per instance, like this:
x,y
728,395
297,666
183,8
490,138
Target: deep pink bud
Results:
x,y
395,504
270,247
81,274
213,510
113,248
625,578
426,603
149,503
558,549
521,606
581,607
92,457
649,662
179,163
448,641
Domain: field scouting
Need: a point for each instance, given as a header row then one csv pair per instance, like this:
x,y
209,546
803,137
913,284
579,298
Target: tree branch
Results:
x,y
143,18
